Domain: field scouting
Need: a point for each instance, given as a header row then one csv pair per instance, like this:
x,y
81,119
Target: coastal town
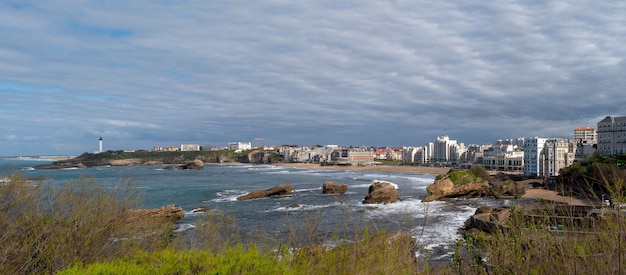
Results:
x,y
529,156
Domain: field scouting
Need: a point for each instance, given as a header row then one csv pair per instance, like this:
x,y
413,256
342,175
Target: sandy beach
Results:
x,y
531,193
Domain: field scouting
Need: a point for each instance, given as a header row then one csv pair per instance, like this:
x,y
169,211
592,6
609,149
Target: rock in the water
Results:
x,y
330,187
201,209
195,165
382,192
445,188
279,190
168,213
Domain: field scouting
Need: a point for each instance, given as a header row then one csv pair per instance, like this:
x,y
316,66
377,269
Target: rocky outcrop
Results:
x,y
279,190
126,162
489,220
331,187
195,165
507,189
168,213
445,188
382,192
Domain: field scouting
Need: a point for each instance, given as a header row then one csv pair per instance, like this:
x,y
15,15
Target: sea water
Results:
x,y
218,186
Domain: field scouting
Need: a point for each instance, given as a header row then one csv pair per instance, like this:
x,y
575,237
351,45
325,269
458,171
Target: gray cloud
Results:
x,y
318,72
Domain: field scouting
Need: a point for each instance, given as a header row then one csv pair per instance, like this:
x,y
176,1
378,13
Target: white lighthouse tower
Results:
x,y
100,145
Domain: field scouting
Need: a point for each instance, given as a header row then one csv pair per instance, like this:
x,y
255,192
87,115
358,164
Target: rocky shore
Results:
x,y
533,188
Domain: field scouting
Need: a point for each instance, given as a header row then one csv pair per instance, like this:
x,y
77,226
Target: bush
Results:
x,y
46,229
479,172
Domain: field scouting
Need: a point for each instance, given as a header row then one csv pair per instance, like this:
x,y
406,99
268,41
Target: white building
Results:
x,y
503,158
585,135
190,147
532,155
445,150
408,154
239,146
612,136
557,154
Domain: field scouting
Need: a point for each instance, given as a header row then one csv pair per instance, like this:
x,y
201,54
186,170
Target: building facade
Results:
x,y
190,147
557,154
612,136
239,146
445,150
503,158
532,155
585,135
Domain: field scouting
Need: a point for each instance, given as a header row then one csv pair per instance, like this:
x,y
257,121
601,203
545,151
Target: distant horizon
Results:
x,y
262,145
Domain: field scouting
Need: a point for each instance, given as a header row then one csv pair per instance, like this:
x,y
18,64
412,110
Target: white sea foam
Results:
x,y
309,189
184,227
228,195
302,207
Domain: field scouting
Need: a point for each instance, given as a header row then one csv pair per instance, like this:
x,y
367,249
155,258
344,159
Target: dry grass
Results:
x,y
47,229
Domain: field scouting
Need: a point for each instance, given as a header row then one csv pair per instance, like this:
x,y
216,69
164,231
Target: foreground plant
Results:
x,y
46,229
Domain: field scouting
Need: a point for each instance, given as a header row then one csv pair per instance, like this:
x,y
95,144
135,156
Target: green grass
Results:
x,y
234,260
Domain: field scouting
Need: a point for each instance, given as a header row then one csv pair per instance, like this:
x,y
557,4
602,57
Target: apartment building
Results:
x,y
533,148
586,139
585,135
445,150
557,154
239,146
612,136
504,158
190,147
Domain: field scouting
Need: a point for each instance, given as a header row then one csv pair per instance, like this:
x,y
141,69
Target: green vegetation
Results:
x,y
83,228
527,247
46,229
476,173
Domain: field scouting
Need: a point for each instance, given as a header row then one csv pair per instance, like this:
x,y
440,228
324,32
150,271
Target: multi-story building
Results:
x,y
586,139
532,155
239,146
358,155
585,135
503,158
409,154
557,154
190,147
445,150
612,136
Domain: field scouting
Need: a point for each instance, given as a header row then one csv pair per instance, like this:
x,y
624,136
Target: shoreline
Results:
x,y
531,193
375,168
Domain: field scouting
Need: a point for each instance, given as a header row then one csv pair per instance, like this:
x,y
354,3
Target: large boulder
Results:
x,y
168,213
195,165
508,189
382,192
279,190
331,187
445,188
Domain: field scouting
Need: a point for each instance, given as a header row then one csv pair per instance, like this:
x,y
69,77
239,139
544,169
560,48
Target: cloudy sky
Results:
x,y
383,73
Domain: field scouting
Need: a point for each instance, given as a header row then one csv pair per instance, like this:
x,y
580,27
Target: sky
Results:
x,y
348,73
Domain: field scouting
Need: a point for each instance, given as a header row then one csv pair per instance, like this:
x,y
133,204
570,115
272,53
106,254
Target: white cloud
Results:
x,y
370,72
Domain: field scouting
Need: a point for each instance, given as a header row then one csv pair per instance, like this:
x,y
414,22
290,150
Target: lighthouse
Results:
x,y
100,145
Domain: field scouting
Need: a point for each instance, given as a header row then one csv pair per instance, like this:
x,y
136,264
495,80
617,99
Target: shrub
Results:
x,y
46,229
479,171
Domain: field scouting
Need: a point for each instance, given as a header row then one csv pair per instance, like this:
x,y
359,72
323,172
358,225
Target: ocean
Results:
x,y
434,224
